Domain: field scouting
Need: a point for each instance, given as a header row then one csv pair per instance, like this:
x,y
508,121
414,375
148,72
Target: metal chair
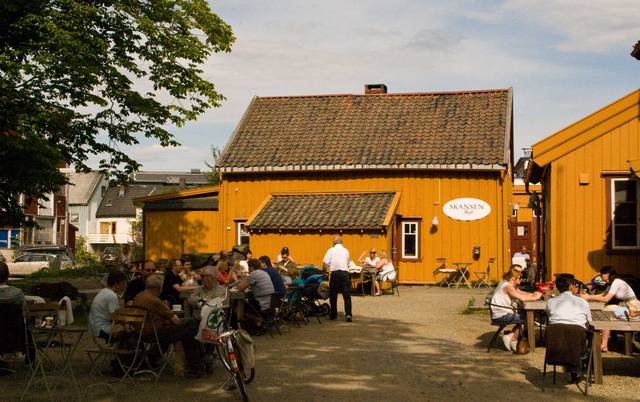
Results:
x,y
483,276
390,285
358,280
568,346
501,326
449,273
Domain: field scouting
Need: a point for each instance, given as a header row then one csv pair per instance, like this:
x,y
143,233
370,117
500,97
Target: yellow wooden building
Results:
x,y
421,175
590,191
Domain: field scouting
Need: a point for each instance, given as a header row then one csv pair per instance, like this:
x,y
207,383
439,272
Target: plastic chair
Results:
x,y
448,273
483,276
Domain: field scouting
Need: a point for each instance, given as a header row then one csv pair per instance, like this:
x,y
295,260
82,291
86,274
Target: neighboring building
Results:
x,y
590,187
179,223
85,194
390,171
524,223
117,212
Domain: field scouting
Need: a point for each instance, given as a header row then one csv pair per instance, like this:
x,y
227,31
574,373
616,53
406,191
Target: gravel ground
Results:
x,y
414,347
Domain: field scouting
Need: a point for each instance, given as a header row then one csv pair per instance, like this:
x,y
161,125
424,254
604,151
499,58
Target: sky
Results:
x,y
564,59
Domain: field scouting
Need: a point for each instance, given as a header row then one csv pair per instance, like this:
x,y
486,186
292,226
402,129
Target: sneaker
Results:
x,y
349,318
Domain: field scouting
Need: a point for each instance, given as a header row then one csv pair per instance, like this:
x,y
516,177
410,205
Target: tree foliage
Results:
x,y
81,78
213,176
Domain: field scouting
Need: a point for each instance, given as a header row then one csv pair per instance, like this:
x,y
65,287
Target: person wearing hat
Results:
x,y
209,289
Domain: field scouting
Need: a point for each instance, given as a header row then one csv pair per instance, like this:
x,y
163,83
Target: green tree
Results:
x,y
81,78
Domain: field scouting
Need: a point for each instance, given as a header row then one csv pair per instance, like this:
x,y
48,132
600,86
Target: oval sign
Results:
x,y
466,209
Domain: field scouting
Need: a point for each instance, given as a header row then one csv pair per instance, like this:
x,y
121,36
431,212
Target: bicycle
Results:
x,y
227,348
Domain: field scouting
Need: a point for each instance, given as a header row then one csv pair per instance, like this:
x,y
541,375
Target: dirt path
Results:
x,y
416,347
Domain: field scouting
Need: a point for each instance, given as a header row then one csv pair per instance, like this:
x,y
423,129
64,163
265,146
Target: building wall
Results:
x,y
577,223
170,233
309,248
423,196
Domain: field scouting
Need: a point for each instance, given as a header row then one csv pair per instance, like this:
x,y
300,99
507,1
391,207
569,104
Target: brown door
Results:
x,y
396,240
521,235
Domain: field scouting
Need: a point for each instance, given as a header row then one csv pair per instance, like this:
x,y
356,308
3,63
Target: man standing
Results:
x,y
336,260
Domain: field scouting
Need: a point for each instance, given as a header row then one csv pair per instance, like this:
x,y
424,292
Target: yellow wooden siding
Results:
x,y
309,248
578,221
423,195
165,232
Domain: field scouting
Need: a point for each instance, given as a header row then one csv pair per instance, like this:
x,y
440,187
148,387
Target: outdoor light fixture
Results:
x,y
435,221
476,252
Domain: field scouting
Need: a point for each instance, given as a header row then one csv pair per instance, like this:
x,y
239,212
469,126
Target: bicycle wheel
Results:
x,y
240,361
240,383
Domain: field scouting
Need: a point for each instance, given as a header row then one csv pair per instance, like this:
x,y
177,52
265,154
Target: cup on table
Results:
x,y
62,318
176,308
48,322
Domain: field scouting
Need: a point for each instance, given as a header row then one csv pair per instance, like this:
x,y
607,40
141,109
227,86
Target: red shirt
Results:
x,y
222,277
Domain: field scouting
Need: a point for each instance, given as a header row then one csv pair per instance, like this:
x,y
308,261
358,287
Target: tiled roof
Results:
x,y
462,130
117,204
184,204
83,185
323,211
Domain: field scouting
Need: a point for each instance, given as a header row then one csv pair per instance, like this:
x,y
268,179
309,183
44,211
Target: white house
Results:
x,y
85,194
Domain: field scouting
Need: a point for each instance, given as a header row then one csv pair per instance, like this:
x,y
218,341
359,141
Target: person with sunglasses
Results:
x,y
138,284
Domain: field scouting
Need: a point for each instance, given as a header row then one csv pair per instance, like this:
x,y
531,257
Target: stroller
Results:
x,y
308,293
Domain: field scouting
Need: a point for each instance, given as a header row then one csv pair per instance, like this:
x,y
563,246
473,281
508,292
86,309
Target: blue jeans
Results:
x,y
509,318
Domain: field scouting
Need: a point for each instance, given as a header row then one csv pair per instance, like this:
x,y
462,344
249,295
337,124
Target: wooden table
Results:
x,y
462,268
530,307
602,320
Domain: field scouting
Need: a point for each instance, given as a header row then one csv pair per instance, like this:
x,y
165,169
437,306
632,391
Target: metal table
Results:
x,y
602,320
530,307
462,268
63,339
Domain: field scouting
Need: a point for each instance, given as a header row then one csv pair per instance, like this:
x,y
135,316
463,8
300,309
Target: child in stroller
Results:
x,y
307,293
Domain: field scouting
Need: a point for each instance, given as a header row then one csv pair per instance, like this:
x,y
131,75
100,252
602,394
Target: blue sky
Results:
x,y
564,59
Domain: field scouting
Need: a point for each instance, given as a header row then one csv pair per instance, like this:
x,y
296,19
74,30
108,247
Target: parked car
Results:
x,y
47,249
112,256
29,263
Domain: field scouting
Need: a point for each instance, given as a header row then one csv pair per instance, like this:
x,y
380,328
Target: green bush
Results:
x,y
87,270
82,254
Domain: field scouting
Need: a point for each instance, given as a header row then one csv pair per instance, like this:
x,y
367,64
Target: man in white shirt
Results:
x,y
336,260
105,303
568,308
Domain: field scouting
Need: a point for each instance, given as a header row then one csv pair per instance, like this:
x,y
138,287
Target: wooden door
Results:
x,y
521,235
396,240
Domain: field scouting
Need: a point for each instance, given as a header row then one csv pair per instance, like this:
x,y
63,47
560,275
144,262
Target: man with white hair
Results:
x,y
169,327
336,260
210,289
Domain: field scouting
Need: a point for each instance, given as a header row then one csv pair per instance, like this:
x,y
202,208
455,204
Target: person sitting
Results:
x,y
283,253
137,285
261,290
370,260
502,311
286,265
386,272
187,275
618,289
168,326
172,283
276,278
568,309
105,303
9,294
210,289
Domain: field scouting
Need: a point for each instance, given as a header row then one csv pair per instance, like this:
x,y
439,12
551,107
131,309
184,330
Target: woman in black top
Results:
x,y
172,285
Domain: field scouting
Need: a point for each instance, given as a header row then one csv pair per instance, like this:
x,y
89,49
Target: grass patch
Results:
x,y
471,308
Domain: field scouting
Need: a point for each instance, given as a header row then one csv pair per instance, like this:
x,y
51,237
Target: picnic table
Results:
x,y
530,307
602,320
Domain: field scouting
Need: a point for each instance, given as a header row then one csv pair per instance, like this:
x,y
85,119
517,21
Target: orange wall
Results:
x,y
577,222
165,232
423,195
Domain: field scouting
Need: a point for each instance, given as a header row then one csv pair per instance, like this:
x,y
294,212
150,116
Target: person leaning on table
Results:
x,y
105,303
336,260
501,311
210,289
618,289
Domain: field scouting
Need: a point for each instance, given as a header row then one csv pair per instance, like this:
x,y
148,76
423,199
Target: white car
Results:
x,y
27,264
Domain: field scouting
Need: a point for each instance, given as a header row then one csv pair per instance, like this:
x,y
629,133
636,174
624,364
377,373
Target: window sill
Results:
x,y
623,251
410,259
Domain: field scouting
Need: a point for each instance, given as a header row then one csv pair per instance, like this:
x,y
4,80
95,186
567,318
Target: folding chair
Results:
x,y
272,319
358,280
34,314
568,346
390,285
501,326
448,273
167,354
483,276
125,344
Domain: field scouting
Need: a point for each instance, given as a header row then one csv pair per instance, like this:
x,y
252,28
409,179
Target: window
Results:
x,y
74,218
242,235
624,214
410,240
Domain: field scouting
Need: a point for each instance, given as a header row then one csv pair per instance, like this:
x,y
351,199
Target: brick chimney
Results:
x,y
182,183
370,89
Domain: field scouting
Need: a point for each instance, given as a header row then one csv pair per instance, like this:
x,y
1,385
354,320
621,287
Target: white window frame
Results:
x,y
612,202
239,229
417,241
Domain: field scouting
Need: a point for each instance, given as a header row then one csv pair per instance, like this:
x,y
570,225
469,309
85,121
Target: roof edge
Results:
x,y
177,194
235,133
324,168
460,92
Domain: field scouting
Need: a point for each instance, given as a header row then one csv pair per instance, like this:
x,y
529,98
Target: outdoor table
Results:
x,y
530,307
66,340
462,268
607,320
372,272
